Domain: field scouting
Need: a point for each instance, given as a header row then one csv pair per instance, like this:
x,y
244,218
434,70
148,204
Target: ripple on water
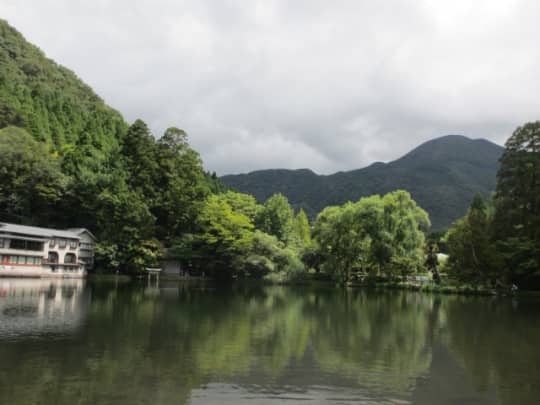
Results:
x,y
273,394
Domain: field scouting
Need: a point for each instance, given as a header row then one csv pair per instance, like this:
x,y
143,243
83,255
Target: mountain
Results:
x,y
50,101
442,175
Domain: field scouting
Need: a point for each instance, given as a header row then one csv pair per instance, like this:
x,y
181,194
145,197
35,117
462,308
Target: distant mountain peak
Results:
x,y
442,174
451,147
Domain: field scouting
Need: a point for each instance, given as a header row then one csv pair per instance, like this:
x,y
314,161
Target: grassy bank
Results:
x,y
381,283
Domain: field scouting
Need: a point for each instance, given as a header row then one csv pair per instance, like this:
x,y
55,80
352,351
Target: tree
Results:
x,y
517,200
342,240
243,203
126,224
472,255
302,229
276,218
223,236
179,183
374,234
139,153
269,255
403,236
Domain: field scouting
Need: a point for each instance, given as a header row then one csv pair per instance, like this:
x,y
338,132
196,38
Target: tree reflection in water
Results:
x,y
191,343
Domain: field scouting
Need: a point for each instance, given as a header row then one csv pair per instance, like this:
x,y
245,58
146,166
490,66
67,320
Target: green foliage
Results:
x,y
50,101
223,236
517,219
372,235
180,185
139,153
213,183
243,203
31,178
302,230
276,218
473,256
269,255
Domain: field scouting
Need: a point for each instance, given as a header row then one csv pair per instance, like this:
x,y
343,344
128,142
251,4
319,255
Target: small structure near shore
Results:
x,y
153,271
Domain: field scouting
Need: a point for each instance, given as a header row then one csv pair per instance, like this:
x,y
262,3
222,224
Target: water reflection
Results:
x,y
195,344
37,307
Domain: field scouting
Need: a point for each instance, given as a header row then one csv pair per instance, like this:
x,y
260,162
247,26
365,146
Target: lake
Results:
x,y
78,342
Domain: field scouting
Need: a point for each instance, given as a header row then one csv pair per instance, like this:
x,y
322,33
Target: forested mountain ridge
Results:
x,y
50,101
442,175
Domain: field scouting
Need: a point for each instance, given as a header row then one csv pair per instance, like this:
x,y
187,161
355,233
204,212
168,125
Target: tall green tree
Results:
x,y
179,183
302,230
223,237
517,199
140,157
473,257
276,218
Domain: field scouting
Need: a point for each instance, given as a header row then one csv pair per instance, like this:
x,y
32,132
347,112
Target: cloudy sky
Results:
x,y
329,85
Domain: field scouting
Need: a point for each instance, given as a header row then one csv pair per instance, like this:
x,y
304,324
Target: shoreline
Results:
x,y
429,288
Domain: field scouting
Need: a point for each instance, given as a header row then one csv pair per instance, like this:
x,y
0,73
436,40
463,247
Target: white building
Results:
x,y
29,251
87,245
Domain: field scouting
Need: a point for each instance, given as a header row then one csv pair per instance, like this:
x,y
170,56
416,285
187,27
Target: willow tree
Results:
x,y
374,234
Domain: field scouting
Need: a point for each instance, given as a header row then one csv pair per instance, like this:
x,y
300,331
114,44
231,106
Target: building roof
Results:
x,y
37,231
78,231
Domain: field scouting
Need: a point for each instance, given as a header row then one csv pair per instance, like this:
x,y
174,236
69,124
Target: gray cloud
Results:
x,y
277,83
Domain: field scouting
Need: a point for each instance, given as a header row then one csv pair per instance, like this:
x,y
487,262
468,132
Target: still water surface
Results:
x,y
74,342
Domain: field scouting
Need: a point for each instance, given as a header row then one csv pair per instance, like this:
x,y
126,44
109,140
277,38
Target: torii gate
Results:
x,y
153,271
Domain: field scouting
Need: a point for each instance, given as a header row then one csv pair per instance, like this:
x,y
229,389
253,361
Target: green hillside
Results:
x,y
442,175
50,101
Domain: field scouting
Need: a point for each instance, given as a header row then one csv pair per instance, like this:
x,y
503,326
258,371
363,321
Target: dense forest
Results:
x,y
68,160
498,241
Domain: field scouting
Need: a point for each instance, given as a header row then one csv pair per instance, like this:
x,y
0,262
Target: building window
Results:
x,y
17,244
1,243
31,245
13,259
29,260
22,260
52,243
70,258
53,257
73,244
21,244
62,243
38,260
